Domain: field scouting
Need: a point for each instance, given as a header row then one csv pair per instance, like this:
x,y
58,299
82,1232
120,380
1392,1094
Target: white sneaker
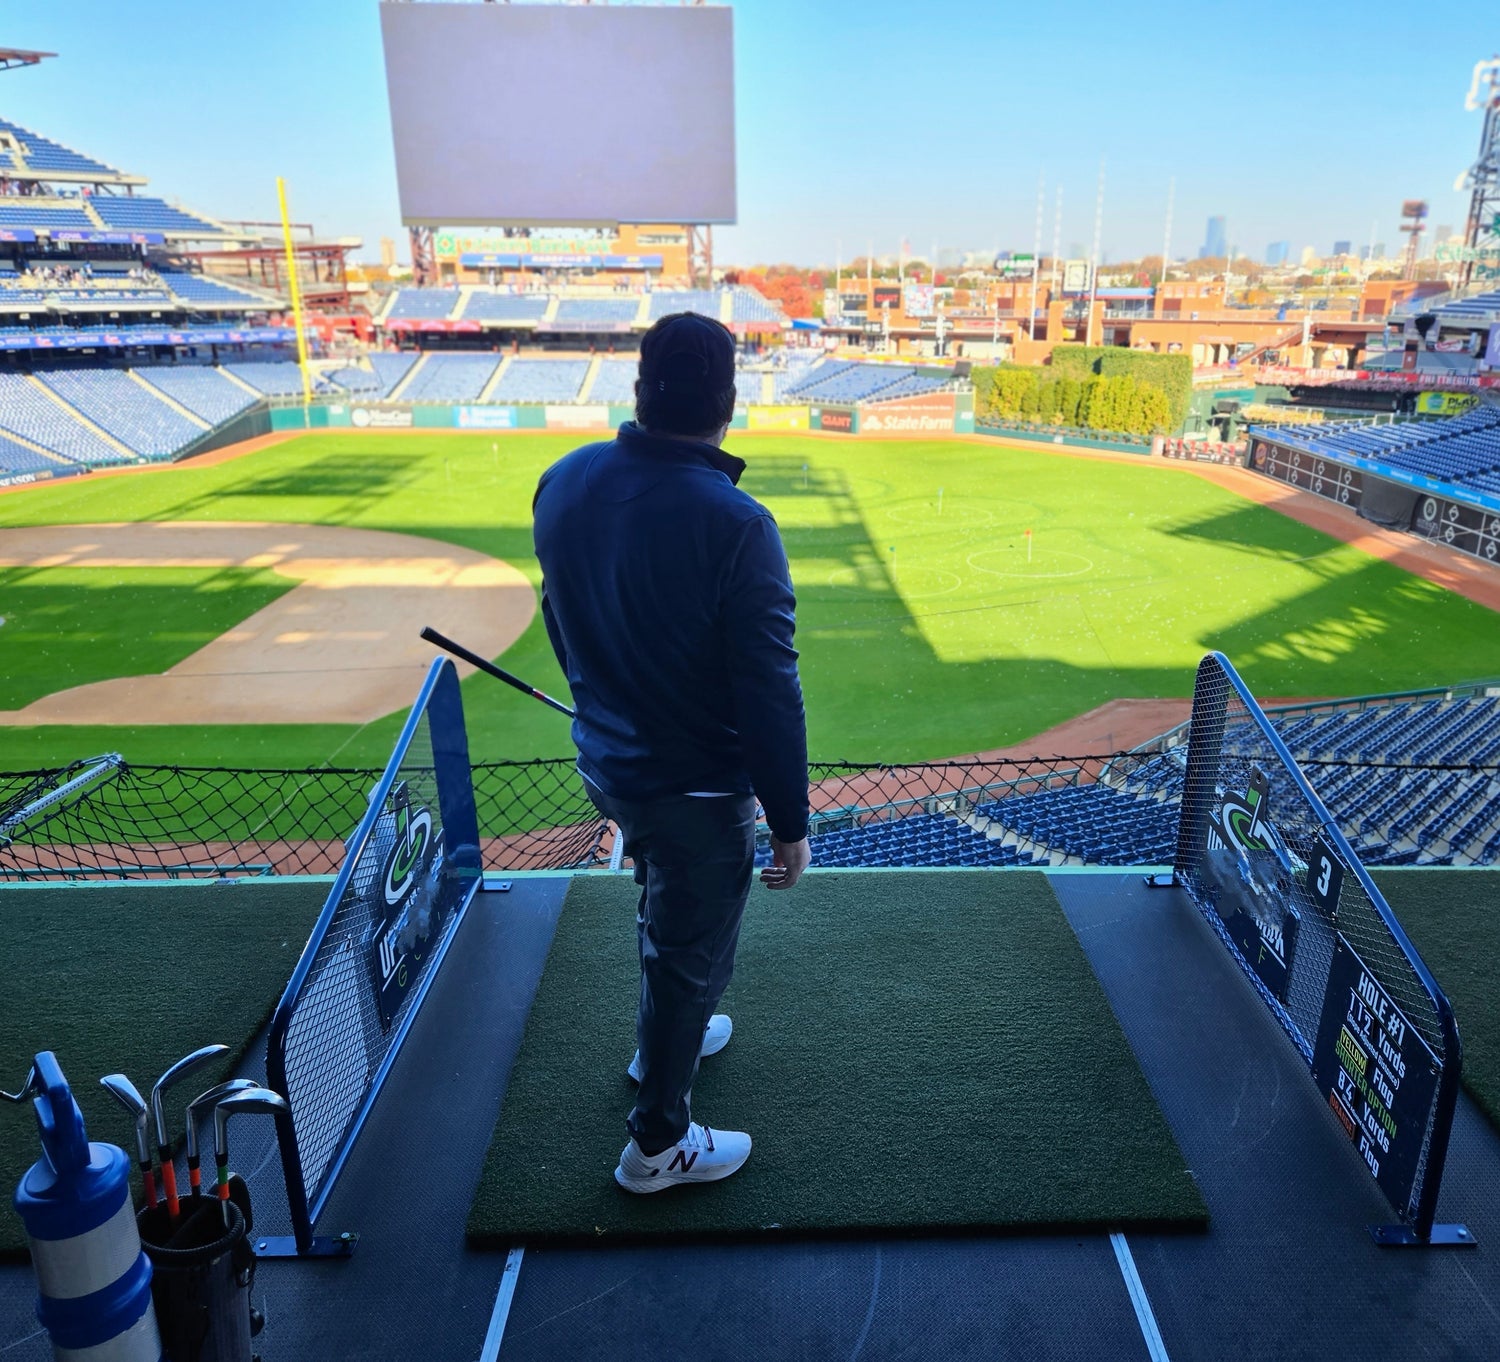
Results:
x,y
715,1038
702,1155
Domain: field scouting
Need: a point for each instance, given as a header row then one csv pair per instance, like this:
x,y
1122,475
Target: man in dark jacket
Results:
x,y
668,602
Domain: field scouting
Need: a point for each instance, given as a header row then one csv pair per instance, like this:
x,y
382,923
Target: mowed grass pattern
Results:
x,y
67,626
925,629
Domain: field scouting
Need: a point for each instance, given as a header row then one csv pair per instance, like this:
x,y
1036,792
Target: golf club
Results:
x,y
179,1070
29,1089
128,1096
239,1104
214,1094
499,673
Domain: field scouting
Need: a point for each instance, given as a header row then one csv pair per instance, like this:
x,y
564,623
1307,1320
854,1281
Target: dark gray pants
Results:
x,y
693,860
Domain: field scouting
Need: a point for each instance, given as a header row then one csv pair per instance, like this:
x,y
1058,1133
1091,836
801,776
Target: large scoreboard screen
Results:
x,y
561,115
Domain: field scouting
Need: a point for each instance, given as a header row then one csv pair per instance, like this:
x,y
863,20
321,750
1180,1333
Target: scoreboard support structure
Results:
x,y
1267,866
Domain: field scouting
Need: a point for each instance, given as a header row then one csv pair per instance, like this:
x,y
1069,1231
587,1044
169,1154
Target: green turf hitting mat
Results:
x,y
127,979
911,1051
1453,916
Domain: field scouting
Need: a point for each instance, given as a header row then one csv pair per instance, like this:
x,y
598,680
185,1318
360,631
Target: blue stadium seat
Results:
x,y
31,414
275,378
202,390
135,213
541,380
484,306
428,303
615,381
454,377
134,415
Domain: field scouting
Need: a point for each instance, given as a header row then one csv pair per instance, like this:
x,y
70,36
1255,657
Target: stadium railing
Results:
x,y
411,870
1265,863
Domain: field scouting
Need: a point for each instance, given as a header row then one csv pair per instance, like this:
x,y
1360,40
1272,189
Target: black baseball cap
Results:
x,y
690,349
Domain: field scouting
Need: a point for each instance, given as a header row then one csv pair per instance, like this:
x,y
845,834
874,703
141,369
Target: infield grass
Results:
x,y
67,626
927,628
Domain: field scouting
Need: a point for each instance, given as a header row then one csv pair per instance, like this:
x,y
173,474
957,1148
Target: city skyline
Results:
x,y
959,168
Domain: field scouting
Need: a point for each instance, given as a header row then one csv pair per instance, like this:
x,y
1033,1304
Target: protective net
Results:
x,y
106,818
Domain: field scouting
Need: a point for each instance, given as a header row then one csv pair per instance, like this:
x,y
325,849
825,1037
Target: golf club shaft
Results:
x,y
499,673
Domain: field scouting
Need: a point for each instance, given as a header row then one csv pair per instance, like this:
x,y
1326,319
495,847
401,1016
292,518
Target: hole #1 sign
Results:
x,y
1378,1074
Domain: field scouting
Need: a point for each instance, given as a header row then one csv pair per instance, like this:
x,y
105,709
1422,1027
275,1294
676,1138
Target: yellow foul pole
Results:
x,y
291,270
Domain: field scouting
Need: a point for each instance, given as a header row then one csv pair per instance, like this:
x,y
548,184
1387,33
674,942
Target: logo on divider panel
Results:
x,y
407,900
1248,872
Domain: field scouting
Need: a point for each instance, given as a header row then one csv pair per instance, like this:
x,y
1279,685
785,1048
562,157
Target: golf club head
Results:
x,y
29,1089
181,1069
128,1096
240,1104
215,1094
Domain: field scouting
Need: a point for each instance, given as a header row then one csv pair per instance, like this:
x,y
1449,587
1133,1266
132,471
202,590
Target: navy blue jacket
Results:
x,y
668,602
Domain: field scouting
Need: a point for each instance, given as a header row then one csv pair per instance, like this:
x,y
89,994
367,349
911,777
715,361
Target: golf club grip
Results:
x,y
458,650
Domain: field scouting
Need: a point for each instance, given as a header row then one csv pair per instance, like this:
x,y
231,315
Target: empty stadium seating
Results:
x,y
917,840
195,289
615,381
748,306
202,390
664,302
49,215
850,382
484,306
134,415
141,214
604,312
431,303
390,369
541,380
1463,450
42,155
457,377
1095,823
16,458
276,378
27,411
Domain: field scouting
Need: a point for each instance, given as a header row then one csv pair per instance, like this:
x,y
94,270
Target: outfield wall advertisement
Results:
x,y
777,418
925,414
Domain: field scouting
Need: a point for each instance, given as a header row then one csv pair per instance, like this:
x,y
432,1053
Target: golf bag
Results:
x,y
202,1273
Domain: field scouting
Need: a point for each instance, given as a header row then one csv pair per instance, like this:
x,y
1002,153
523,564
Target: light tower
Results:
x,y
1413,223
1483,177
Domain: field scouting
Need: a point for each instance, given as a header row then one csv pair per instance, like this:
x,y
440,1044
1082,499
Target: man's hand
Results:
x,y
788,861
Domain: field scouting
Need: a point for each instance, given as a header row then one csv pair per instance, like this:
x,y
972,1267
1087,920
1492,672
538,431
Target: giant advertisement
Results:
x,y
577,418
561,114
929,413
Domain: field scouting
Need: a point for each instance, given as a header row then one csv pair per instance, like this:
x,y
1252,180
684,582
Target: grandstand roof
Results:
x,y
20,56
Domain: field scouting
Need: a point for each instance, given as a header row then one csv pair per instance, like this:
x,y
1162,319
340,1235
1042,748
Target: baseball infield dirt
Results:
x,y
341,646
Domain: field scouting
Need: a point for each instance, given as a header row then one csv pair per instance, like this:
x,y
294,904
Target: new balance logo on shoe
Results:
x,y
683,1160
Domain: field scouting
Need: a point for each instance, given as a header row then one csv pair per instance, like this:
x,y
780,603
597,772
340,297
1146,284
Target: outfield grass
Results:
x,y
67,626
925,629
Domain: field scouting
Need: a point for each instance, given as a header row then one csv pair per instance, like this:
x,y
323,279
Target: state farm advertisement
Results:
x,y
925,414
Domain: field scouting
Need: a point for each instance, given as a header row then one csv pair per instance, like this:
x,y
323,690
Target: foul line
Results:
x,y
503,1297
1155,1348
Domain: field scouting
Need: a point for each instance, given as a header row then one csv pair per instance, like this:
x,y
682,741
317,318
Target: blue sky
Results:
x,y
857,122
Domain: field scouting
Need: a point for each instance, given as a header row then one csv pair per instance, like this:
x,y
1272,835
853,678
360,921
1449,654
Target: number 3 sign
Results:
x,y
1325,877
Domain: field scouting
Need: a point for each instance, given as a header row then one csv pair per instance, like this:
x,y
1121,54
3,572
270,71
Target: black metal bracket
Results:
x,y
1442,1236
321,1246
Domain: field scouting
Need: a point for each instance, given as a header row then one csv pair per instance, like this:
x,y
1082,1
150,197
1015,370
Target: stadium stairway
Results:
x,y
495,378
587,386
643,313
83,420
41,451
240,383
550,315
169,400
406,380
